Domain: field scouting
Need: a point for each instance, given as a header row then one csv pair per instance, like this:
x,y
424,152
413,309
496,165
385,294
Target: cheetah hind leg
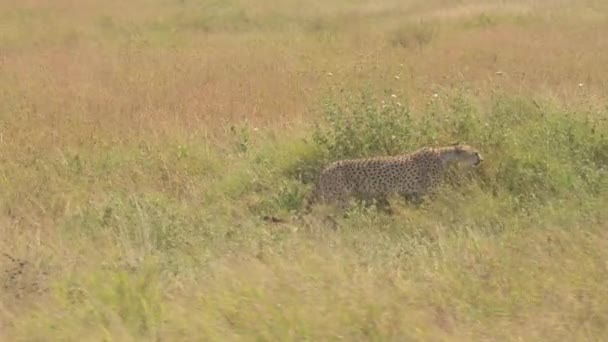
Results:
x,y
383,204
379,202
414,198
312,198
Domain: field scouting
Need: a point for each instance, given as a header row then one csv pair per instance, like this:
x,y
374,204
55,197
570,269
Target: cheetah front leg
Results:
x,y
384,205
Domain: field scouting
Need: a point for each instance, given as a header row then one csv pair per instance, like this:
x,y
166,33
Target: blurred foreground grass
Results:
x,y
141,143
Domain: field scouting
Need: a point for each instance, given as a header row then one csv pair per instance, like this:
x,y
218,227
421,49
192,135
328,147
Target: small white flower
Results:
x,y
499,73
398,104
396,77
394,96
255,129
329,74
435,95
393,137
580,84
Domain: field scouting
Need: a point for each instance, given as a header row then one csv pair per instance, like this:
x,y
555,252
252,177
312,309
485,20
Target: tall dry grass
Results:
x,y
140,142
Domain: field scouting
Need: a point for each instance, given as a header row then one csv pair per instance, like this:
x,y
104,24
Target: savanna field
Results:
x,y
142,142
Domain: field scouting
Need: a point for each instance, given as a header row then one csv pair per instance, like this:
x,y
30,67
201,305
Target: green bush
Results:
x,y
365,126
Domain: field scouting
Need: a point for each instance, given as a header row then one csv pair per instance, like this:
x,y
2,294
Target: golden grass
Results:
x,y
127,203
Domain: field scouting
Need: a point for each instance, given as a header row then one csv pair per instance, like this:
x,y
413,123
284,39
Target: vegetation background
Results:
x,y
141,142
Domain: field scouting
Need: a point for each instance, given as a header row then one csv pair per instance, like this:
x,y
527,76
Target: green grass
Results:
x,y
139,154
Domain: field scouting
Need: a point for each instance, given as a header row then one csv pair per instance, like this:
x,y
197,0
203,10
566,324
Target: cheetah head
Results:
x,y
463,154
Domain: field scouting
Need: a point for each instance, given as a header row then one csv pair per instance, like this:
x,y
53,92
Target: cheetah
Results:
x,y
410,175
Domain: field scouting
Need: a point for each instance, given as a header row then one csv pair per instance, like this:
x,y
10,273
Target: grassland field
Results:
x,y
142,141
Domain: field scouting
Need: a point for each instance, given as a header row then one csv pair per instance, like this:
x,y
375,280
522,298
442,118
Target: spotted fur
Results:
x,y
410,175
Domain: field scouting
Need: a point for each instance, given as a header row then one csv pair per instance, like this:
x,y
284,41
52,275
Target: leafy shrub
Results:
x,y
365,126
